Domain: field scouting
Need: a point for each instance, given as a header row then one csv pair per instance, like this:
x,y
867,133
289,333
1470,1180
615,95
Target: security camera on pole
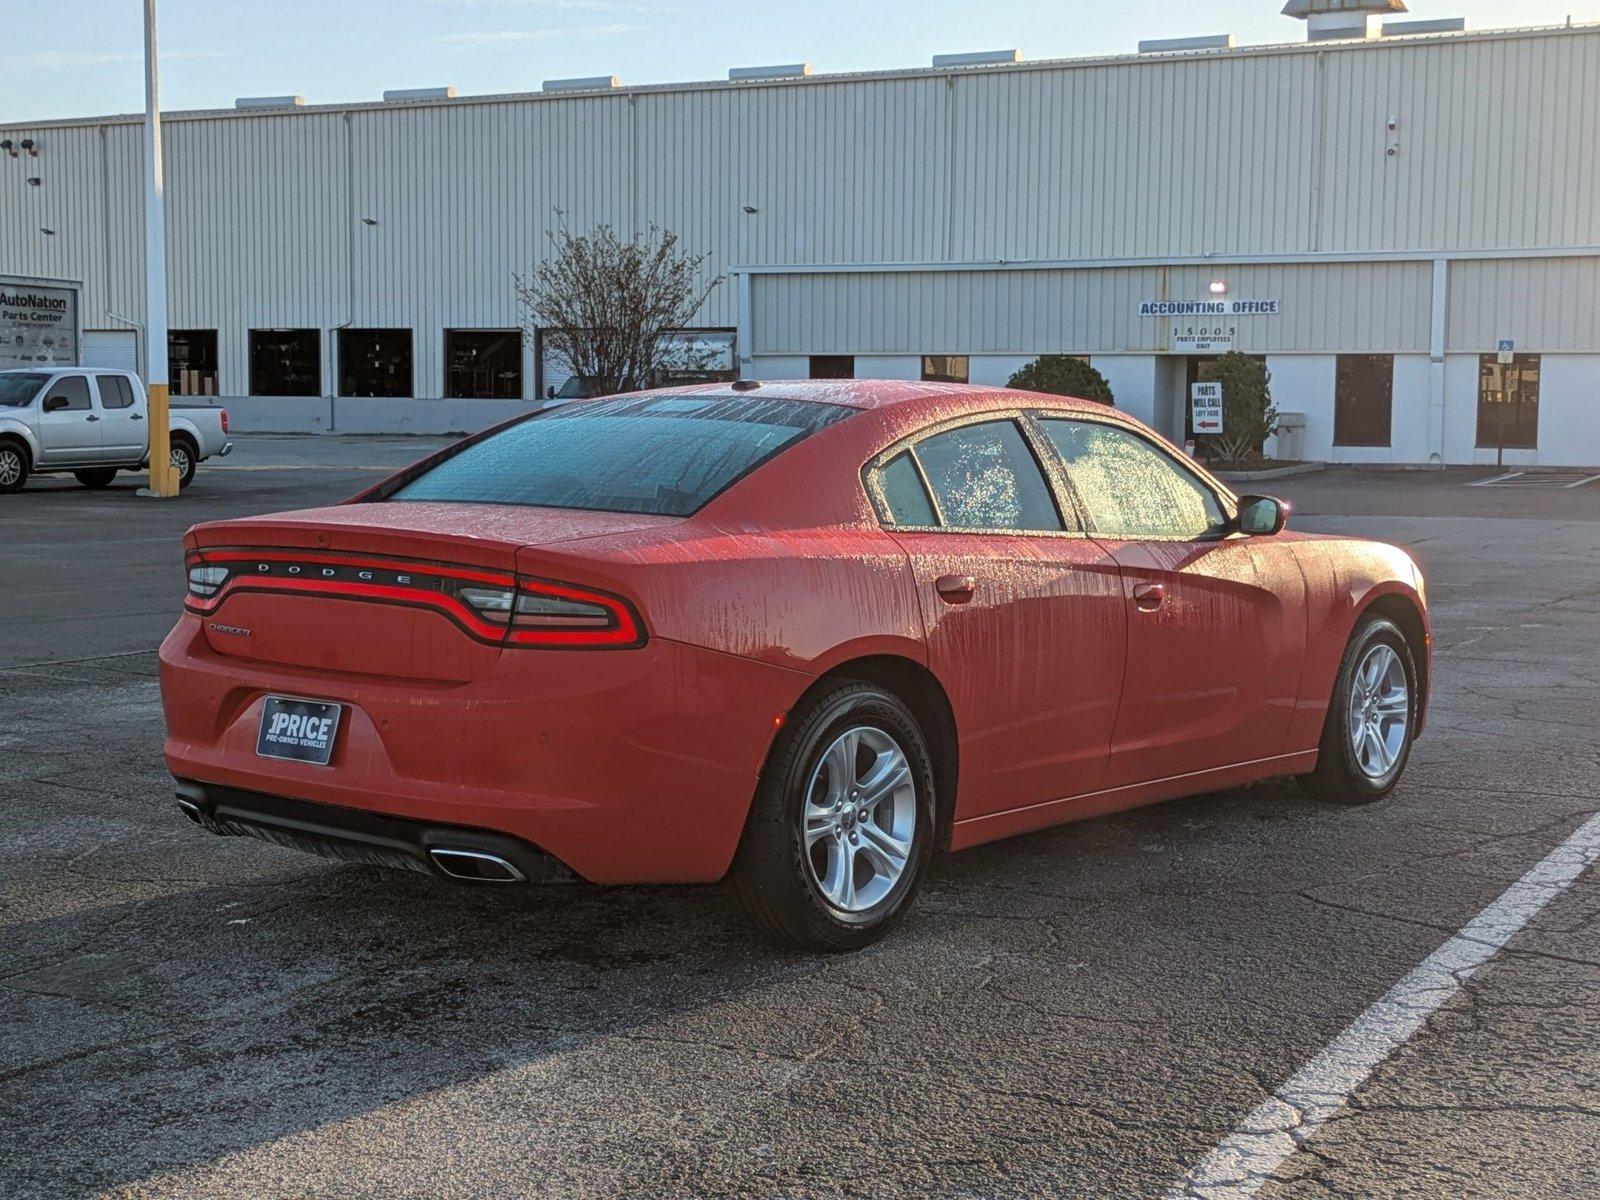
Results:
x,y
163,481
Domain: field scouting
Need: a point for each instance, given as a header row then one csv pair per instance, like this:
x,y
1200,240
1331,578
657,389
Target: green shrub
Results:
x,y
1248,417
1061,375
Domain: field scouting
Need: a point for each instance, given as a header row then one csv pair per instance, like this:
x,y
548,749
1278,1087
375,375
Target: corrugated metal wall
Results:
x,y
1257,152
1545,305
1354,307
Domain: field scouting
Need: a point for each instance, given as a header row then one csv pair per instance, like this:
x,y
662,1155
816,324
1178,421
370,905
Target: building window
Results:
x,y
374,362
1363,393
833,366
1508,402
192,361
285,362
483,364
944,368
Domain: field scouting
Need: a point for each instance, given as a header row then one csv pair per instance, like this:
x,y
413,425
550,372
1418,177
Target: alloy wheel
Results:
x,y
10,467
859,818
1380,710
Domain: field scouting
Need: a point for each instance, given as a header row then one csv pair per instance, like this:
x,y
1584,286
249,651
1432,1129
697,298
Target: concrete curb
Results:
x,y
1305,468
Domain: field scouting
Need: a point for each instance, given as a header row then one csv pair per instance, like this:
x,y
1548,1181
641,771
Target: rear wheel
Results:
x,y
842,825
184,460
97,477
13,467
1372,718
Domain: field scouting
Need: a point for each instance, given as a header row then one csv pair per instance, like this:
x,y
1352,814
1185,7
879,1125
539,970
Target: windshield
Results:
x,y
664,455
17,390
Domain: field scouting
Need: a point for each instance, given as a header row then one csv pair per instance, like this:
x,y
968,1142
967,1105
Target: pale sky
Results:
x,y
66,58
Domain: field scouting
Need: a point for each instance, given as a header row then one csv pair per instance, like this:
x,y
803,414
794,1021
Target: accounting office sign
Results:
x,y
1205,326
38,324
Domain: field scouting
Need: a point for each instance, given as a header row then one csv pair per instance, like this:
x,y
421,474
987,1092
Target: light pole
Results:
x,y
162,480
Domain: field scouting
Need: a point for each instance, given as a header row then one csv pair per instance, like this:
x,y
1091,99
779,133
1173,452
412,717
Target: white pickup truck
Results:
x,y
92,423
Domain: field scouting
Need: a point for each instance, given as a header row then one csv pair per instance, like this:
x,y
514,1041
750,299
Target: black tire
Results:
x,y
1340,777
185,458
96,477
13,467
773,872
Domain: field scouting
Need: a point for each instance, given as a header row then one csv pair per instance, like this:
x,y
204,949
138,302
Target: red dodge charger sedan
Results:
x,y
802,633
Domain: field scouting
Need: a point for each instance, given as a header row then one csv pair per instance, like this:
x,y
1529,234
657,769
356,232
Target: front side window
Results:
x,y
17,391
1131,489
76,390
985,477
664,455
1508,402
115,391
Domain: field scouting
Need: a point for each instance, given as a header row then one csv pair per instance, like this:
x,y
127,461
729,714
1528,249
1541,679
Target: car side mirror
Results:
x,y
1262,515
56,403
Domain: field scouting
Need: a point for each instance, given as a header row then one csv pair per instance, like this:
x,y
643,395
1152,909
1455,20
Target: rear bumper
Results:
x,y
354,835
633,766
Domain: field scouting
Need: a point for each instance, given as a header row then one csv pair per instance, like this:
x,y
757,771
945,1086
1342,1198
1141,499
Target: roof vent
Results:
x,y
269,101
588,83
1220,41
786,71
982,58
1440,25
1329,19
402,95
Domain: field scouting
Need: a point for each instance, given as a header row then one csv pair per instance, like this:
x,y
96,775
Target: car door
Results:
x,y
1024,615
69,432
1216,623
122,425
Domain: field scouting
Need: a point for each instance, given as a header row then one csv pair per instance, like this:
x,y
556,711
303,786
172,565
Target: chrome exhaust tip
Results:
x,y
474,866
191,810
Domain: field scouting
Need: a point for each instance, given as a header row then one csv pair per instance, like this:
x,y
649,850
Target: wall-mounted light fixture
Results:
x,y
28,145
1219,287
33,181
47,232
369,221
751,209
8,147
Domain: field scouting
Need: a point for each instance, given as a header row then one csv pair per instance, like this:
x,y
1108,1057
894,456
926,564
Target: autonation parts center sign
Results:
x,y
39,323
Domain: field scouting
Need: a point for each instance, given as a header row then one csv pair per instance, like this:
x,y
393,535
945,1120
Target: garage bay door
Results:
x,y
115,348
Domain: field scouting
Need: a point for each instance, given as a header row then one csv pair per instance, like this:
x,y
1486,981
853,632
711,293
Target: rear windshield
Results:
x,y
17,390
665,455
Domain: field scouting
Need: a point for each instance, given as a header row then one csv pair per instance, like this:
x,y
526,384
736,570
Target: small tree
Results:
x,y
1248,416
606,304
1063,375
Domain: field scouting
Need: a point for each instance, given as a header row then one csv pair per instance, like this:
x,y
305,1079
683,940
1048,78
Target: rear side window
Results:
x,y
115,391
1130,488
985,477
664,455
903,493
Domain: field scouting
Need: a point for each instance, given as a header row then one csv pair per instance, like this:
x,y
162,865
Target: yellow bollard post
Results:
x,y
163,482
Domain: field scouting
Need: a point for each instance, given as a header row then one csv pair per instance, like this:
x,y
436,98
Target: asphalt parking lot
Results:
x,y
1088,1011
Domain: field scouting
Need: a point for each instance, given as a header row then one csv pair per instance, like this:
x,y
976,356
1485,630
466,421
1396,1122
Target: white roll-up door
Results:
x,y
114,348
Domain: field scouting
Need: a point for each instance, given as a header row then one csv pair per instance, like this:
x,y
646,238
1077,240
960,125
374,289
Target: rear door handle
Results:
x,y
91,417
1148,596
955,589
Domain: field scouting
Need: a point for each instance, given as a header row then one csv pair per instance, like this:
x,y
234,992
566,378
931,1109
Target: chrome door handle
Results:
x,y
1148,596
955,589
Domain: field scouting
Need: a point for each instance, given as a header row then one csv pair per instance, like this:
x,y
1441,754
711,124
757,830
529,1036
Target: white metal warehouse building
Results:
x,y
1372,214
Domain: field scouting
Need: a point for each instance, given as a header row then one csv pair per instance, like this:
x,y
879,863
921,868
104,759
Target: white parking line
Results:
x,y
1243,1163
1509,475
1581,482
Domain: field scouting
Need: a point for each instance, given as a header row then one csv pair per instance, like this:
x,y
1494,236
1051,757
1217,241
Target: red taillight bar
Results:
x,y
623,629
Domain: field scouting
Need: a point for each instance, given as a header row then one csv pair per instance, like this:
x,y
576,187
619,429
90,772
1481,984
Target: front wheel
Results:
x,y
97,477
842,826
1372,718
